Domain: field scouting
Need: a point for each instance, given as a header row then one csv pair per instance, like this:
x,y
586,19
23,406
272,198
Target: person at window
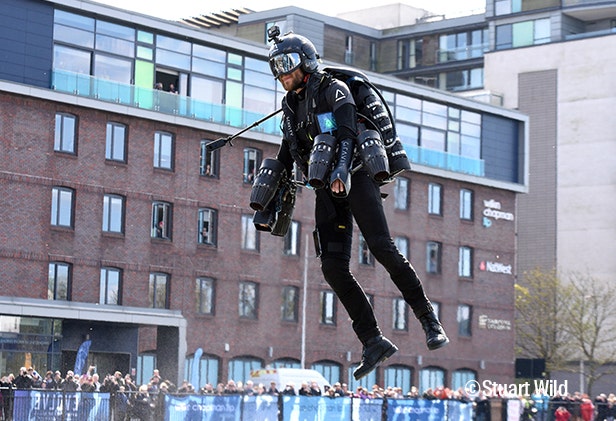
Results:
x,y
158,86
23,380
172,89
312,94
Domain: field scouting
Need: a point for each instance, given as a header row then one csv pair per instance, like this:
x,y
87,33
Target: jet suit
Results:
x,y
334,214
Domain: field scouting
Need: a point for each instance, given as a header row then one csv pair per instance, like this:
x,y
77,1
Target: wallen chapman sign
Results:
x,y
492,211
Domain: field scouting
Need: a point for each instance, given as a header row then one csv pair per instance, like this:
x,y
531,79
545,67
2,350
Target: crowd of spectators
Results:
x,y
144,401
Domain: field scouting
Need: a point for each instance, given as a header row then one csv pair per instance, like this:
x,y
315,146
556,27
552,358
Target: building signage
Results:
x,y
486,322
492,210
495,267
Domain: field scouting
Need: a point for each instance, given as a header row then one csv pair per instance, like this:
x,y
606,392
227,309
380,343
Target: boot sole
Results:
x,y
438,345
390,351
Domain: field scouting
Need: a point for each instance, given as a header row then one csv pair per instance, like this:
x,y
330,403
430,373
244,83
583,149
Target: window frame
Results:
x,y
53,279
328,308
245,310
206,158
464,320
252,162
211,238
58,204
154,288
400,315
204,283
249,234
104,285
435,199
60,144
465,262
109,215
160,148
111,140
366,258
467,199
291,240
401,193
161,212
430,246
290,304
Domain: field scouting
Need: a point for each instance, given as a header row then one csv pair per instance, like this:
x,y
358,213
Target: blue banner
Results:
x,y
82,356
315,408
39,405
260,408
415,410
459,411
202,408
367,409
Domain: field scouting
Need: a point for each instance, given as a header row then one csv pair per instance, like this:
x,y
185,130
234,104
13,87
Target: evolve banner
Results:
x,y
415,410
315,408
203,408
43,405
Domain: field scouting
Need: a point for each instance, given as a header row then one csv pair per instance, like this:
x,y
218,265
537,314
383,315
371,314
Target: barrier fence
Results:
x,y
47,405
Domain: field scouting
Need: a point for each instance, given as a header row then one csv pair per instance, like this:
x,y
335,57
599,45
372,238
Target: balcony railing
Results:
x,y
150,99
173,104
461,53
444,160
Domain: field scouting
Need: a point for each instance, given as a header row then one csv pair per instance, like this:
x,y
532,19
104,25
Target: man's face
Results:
x,y
292,81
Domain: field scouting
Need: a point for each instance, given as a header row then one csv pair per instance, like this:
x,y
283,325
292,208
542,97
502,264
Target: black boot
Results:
x,y
435,335
342,170
376,350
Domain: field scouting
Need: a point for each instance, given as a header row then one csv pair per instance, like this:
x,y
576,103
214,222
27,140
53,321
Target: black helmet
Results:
x,y
291,51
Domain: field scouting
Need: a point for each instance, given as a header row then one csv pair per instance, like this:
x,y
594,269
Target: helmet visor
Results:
x,y
282,64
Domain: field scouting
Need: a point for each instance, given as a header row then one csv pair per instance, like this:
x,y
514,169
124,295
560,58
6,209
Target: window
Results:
x,y
328,308
400,314
291,239
286,363
111,286
59,282
431,377
161,220
402,244
465,262
113,213
521,34
252,161
401,193
435,199
365,257
329,369
466,204
464,320
205,291
348,52
433,254
367,381
250,238
207,369
240,368
62,207
399,375
208,161
159,290
248,300
115,142
163,150
207,226
65,136
461,378
290,300
146,363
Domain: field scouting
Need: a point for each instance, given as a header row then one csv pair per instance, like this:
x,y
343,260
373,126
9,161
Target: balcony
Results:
x,y
444,160
150,99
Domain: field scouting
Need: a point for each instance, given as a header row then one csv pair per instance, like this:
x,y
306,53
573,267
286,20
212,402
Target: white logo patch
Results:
x,y
339,95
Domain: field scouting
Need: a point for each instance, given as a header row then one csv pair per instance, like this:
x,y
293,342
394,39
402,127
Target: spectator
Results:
x,y
315,390
562,414
69,384
289,390
587,409
142,406
23,380
272,390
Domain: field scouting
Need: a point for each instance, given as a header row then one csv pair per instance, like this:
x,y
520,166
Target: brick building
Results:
x,y
118,227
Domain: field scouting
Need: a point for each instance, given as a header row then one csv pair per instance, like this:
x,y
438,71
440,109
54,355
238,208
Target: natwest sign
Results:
x,y
495,267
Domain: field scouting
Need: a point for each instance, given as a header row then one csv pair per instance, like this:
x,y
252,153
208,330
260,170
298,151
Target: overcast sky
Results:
x,y
177,9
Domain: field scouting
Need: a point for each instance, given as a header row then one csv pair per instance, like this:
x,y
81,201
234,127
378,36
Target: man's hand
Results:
x,y
337,186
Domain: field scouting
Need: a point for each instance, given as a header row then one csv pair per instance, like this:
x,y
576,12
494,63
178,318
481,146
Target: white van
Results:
x,y
285,376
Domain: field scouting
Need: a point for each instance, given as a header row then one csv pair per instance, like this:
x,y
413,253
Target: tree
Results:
x,y
541,314
591,326
571,324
